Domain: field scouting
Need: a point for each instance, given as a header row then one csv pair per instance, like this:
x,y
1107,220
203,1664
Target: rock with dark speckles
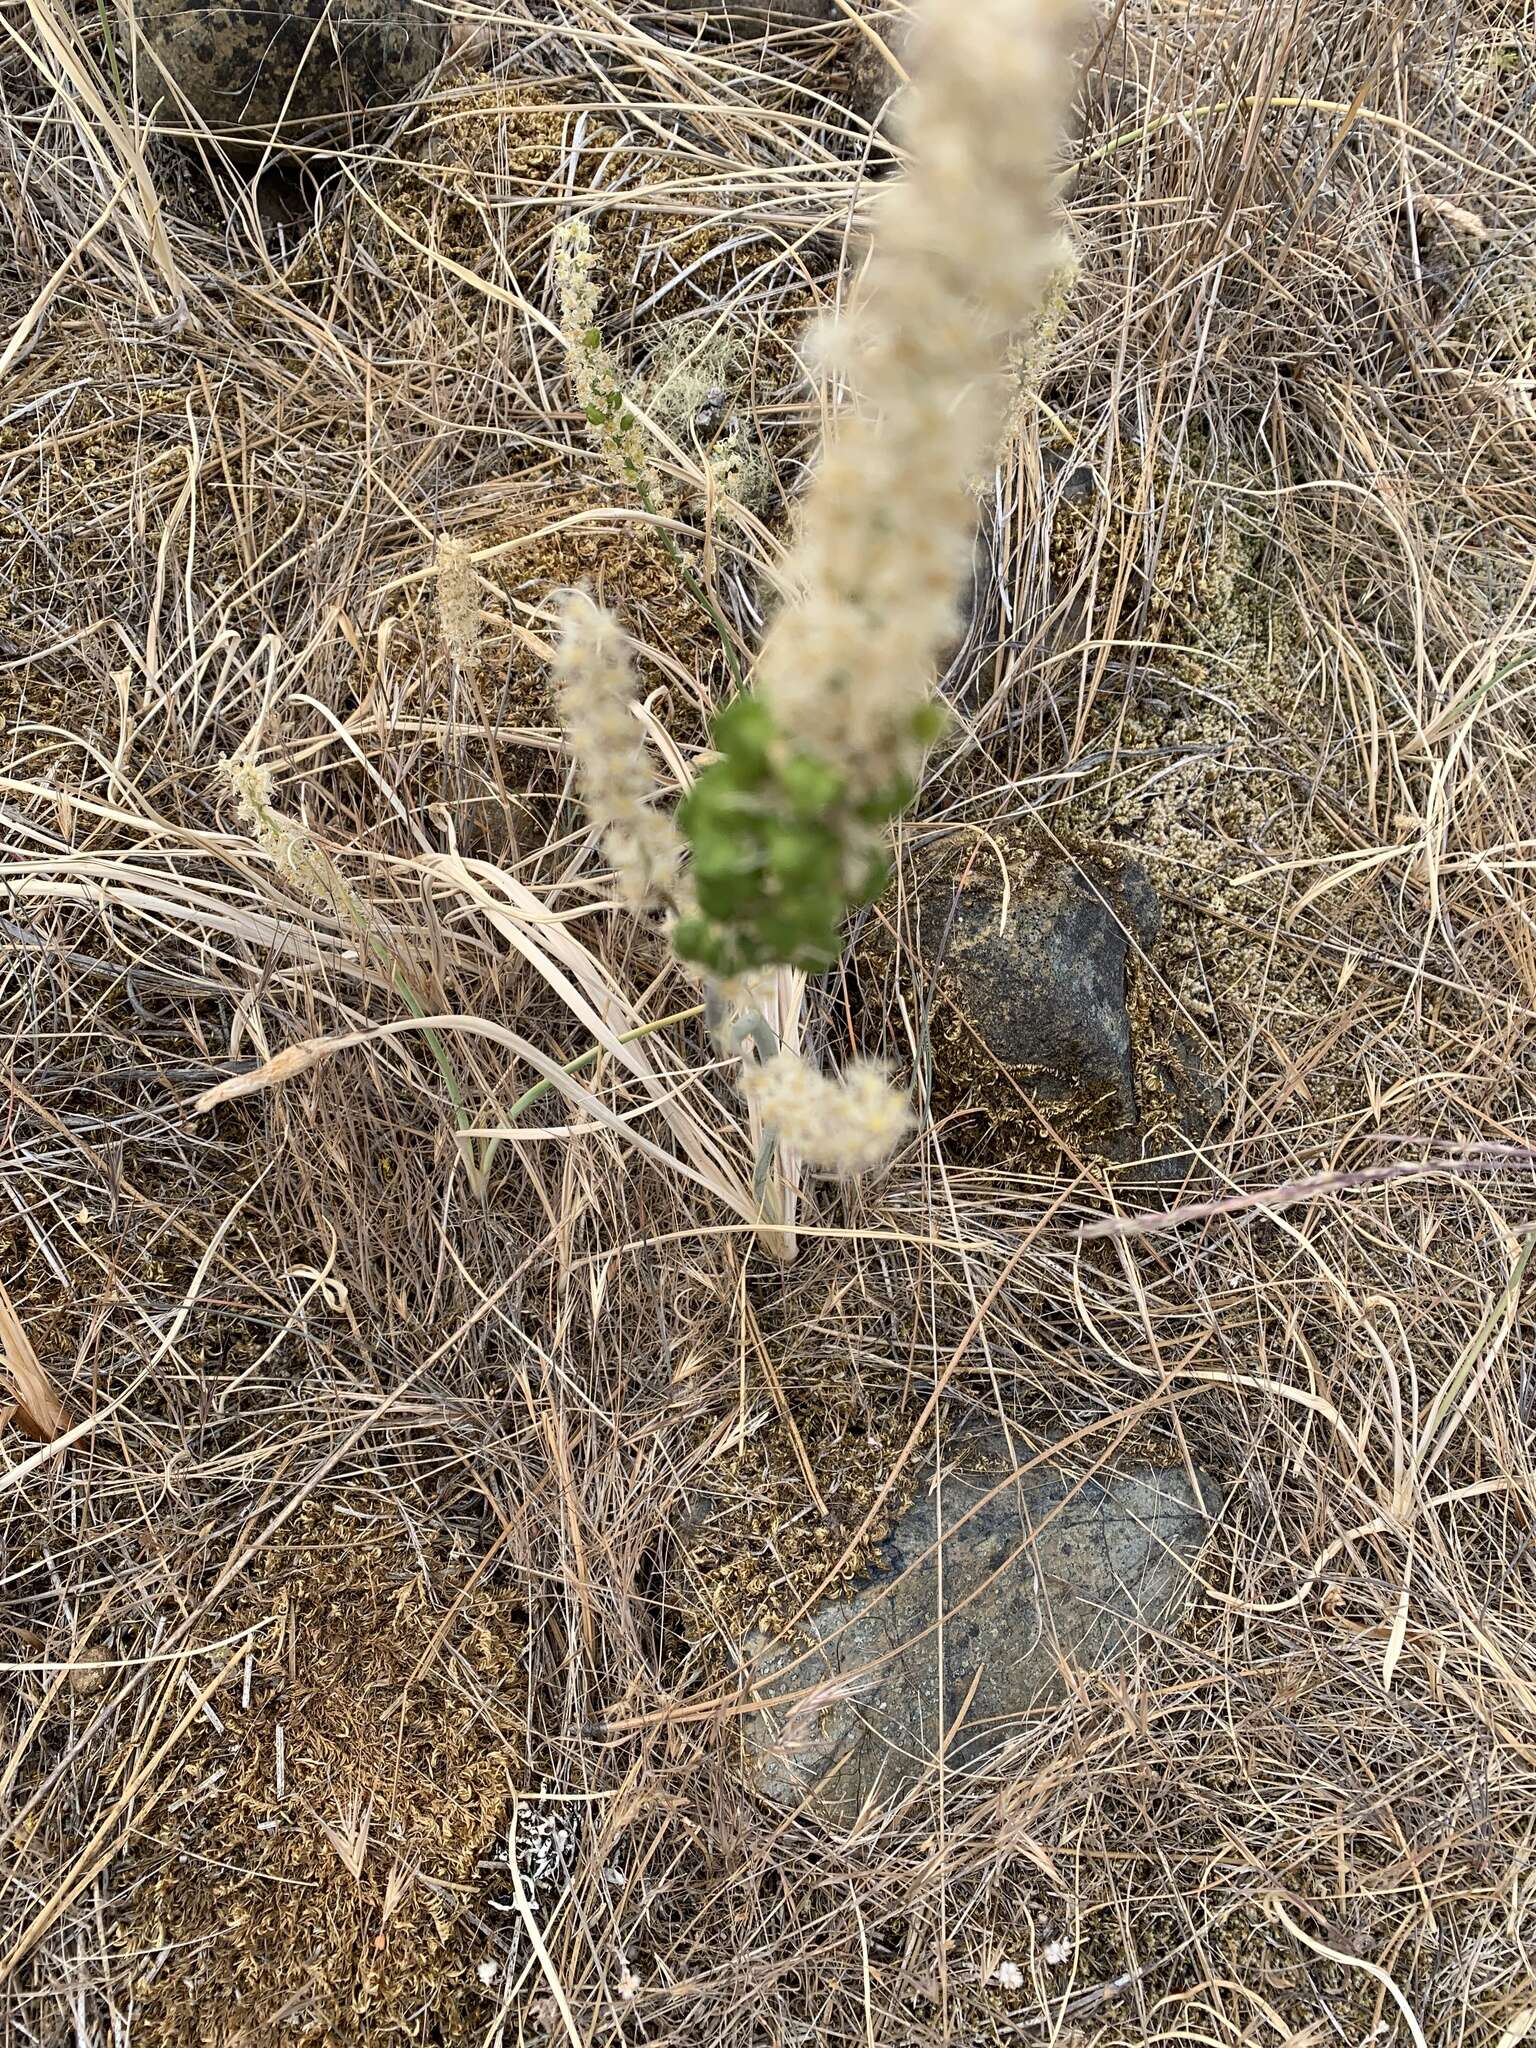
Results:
x,y
286,67
1041,970
1048,1012
1044,1573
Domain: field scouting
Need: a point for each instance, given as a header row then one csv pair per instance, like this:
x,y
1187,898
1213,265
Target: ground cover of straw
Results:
x,y
367,1633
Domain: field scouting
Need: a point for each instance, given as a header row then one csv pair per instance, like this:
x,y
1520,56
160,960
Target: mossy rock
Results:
x,y
1043,1011
988,1596
286,67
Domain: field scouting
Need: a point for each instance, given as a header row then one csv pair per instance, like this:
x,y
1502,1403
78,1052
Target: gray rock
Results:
x,y
874,83
1060,1572
1041,976
250,67
1035,1017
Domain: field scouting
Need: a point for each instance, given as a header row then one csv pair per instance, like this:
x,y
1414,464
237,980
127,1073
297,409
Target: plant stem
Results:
x,y
585,1059
694,587
477,1167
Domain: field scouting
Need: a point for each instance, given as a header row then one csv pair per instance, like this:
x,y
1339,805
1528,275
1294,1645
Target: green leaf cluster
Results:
x,y
781,850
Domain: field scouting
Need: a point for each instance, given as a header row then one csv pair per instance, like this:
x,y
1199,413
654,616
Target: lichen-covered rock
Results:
x,y
874,81
1040,969
1045,1012
286,66
1045,1572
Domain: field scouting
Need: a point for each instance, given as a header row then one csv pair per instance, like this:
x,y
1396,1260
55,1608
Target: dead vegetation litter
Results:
x,y
468,1495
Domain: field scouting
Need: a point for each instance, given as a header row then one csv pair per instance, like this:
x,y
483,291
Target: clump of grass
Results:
x,y
586,1412
302,862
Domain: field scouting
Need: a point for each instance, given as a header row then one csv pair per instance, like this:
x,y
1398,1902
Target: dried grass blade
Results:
x,y
38,1410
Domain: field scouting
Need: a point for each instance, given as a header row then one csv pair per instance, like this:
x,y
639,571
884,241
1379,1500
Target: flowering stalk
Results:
x,y
843,710
964,249
607,408
293,853
788,825
595,685
458,603
602,398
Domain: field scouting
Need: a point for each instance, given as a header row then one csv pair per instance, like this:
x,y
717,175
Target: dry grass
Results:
x,y
1279,643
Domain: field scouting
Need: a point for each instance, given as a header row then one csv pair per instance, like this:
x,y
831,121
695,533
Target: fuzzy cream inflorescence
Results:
x,y
964,245
593,374
843,1127
1030,357
293,853
787,824
458,602
595,682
